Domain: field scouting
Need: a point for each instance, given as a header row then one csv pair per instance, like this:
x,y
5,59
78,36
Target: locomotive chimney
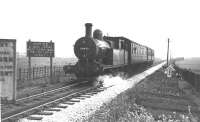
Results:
x,y
88,30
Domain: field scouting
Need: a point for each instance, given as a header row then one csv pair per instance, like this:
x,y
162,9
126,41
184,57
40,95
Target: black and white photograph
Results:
x,y
100,60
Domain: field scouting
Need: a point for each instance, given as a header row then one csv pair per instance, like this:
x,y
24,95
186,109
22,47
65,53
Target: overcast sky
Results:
x,y
148,22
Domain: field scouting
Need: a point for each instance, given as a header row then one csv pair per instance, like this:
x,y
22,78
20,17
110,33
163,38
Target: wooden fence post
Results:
x,y
45,71
27,75
19,75
33,73
41,72
48,71
54,71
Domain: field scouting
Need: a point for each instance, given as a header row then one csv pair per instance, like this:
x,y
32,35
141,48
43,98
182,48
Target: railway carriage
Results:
x,y
97,53
133,53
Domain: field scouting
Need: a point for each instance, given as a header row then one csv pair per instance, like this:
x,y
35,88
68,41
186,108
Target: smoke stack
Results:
x,y
88,30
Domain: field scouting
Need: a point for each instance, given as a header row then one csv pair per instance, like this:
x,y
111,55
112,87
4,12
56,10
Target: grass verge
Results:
x,y
156,98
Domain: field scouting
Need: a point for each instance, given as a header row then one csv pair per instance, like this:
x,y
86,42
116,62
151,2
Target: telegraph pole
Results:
x,y
168,52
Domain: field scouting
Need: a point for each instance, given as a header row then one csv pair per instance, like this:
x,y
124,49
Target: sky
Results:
x,y
148,22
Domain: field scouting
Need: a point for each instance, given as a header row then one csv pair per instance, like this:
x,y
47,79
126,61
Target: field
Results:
x,y
22,61
40,73
191,63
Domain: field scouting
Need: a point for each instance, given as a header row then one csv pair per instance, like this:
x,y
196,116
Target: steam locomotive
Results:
x,y
99,53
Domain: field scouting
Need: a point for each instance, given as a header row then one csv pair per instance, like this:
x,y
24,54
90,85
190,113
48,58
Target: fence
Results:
x,y
38,72
190,77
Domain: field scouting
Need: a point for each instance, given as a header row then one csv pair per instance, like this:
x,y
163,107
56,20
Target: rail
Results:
x,y
48,92
44,104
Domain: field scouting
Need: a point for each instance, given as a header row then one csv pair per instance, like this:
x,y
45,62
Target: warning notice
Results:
x,y
40,49
8,68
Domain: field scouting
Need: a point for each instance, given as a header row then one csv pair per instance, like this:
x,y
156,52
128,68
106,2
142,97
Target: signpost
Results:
x,y
8,69
40,49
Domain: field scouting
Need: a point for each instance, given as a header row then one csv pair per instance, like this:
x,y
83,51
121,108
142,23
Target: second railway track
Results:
x,y
34,104
48,92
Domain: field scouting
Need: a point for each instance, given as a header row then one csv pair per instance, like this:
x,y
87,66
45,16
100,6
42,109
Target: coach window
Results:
x,y
116,44
143,51
122,45
135,50
132,48
139,50
125,45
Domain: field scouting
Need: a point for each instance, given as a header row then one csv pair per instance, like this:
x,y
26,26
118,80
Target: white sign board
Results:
x,y
8,69
169,71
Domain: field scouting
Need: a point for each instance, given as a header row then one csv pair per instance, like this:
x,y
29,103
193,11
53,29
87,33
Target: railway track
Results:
x,y
48,92
48,101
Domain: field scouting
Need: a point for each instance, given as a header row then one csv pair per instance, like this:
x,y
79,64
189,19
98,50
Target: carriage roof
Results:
x,y
123,38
